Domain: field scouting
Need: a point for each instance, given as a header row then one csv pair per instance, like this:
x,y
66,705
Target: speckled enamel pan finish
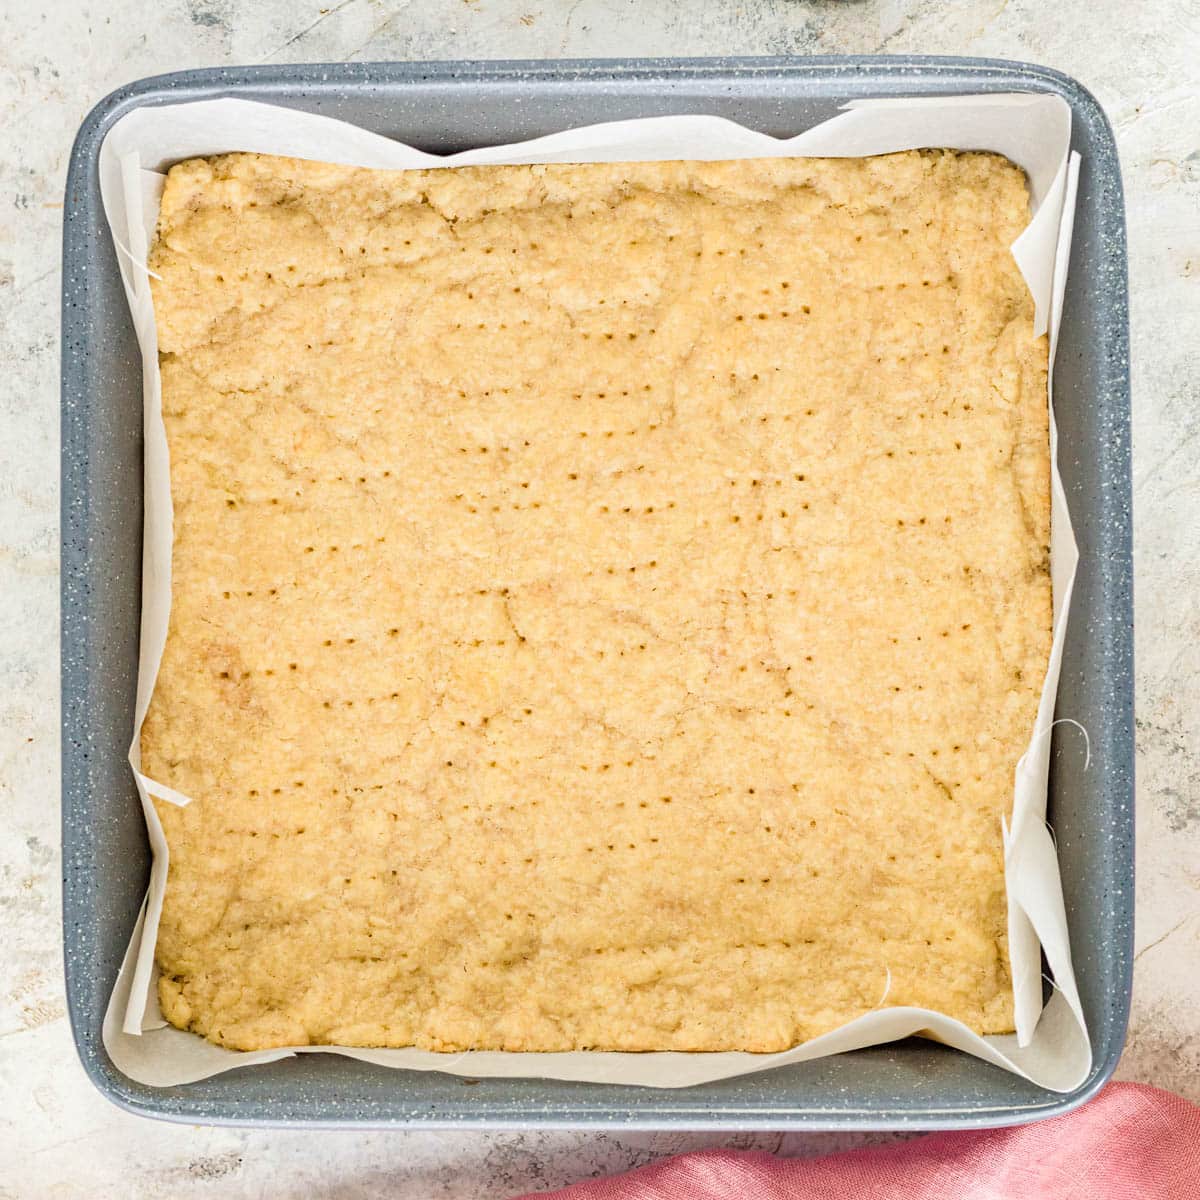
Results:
x,y
444,107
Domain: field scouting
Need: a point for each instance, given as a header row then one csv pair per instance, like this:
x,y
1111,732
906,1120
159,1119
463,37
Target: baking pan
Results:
x,y
443,107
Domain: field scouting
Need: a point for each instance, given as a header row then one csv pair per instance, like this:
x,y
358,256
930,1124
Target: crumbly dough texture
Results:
x,y
609,601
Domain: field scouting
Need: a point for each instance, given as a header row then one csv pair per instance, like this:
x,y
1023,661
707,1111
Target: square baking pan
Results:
x,y
444,107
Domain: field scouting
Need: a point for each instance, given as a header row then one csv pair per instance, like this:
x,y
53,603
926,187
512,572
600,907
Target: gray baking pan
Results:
x,y
444,107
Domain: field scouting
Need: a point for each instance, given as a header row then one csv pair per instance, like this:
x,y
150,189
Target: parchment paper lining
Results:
x,y
1051,1046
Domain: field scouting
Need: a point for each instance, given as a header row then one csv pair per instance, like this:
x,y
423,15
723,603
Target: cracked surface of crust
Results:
x,y
609,601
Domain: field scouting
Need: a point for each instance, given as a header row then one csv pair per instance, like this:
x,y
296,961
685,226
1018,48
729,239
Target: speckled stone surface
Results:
x,y
1143,62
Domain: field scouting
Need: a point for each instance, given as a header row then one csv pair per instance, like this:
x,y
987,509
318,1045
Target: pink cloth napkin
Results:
x,y
1132,1142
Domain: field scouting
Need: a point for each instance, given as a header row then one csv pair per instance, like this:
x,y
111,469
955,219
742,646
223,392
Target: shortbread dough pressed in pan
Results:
x,y
608,601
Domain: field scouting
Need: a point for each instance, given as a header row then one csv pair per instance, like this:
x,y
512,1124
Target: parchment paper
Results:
x,y
1050,1047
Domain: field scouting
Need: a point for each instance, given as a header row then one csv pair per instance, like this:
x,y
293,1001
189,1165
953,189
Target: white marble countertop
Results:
x,y
58,1137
